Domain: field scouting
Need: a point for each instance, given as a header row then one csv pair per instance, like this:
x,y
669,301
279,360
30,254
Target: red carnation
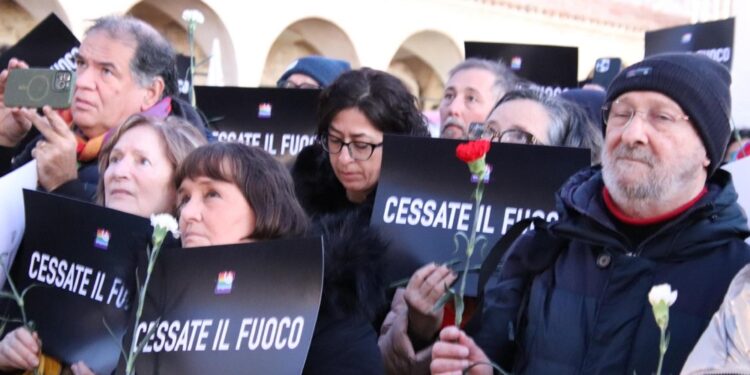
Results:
x,y
473,150
472,153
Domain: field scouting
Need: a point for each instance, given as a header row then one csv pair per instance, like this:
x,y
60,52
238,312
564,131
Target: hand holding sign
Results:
x,y
19,350
13,127
56,153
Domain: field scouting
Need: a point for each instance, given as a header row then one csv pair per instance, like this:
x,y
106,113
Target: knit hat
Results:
x,y
321,69
698,84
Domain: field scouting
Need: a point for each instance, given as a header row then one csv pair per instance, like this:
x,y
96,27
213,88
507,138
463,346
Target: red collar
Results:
x,y
649,221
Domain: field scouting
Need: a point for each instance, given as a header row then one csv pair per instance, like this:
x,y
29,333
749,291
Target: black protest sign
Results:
x,y
554,68
424,197
49,44
245,308
713,39
605,70
83,257
184,79
282,121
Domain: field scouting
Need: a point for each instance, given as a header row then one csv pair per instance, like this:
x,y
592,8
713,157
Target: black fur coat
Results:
x,y
345,339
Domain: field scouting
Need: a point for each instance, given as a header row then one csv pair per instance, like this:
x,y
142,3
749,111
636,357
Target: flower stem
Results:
x,y
662,350
130,366
478,193
191,41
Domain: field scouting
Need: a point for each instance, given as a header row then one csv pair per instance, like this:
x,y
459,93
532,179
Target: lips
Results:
x,y
348,176
190,239
81,104
635,160
120,192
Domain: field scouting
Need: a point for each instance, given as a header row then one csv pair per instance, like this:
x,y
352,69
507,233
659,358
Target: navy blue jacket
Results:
x,y
573,300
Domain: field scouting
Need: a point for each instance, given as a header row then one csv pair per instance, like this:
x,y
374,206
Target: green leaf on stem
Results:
x,y
455,240
458,302
117,340
449,293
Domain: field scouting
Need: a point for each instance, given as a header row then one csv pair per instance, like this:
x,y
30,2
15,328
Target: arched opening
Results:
x,y
166,16
312,36
175,32
422,62
15,22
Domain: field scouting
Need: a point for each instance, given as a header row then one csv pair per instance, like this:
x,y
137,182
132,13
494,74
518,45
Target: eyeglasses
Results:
x,y
357,150
284,84
619,114
479,130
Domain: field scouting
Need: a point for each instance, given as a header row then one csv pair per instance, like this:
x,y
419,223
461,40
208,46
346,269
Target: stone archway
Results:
x,y
15,22
311,36
422,62
166,16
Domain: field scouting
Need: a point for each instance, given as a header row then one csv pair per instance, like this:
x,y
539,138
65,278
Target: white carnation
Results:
x,y
663,293
193,15
166,221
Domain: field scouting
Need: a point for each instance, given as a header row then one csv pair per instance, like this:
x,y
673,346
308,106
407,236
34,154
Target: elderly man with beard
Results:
x,y
572,299
473,88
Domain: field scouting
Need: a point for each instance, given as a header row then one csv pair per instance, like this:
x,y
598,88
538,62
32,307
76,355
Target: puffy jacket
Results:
x,y
573,299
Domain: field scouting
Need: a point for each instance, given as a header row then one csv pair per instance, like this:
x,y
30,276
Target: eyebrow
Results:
x,y
105,64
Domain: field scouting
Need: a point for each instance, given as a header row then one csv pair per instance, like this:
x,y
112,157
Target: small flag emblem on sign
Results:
x,y
224,282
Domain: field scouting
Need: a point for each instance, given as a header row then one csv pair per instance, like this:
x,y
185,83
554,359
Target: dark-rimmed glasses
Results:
x,y
357,150
478,130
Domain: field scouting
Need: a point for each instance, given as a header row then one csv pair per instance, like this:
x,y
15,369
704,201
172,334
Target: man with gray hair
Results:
x,y
124,67
473,88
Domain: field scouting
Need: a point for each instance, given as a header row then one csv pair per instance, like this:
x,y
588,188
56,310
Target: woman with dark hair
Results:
x,y
354,112
231,193
336,179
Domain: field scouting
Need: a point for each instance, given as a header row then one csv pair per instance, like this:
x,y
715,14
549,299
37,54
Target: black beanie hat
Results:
x,y
698,84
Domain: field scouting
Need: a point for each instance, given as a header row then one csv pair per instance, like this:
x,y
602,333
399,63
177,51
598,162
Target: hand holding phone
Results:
x,y
12,125
35,88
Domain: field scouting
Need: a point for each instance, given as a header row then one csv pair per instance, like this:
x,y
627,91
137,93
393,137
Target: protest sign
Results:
x,y
244,308
424,196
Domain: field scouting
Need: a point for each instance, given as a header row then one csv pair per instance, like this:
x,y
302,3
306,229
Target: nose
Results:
x,y
634,132
121,169
455,107
84,77
190,211
345,155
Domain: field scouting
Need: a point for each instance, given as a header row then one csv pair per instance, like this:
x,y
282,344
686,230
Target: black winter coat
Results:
x,y
345,341
574,300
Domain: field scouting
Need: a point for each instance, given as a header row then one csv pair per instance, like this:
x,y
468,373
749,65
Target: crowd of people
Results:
x,y
570,298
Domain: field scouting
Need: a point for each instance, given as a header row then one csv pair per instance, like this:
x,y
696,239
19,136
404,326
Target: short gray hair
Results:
x,y
569,126
154,55
505,80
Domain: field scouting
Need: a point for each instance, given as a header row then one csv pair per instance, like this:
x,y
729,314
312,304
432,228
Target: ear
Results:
x,y
706,162
152,93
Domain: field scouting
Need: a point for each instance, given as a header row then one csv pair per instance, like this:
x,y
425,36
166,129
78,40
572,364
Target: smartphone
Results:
x,y
35,88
